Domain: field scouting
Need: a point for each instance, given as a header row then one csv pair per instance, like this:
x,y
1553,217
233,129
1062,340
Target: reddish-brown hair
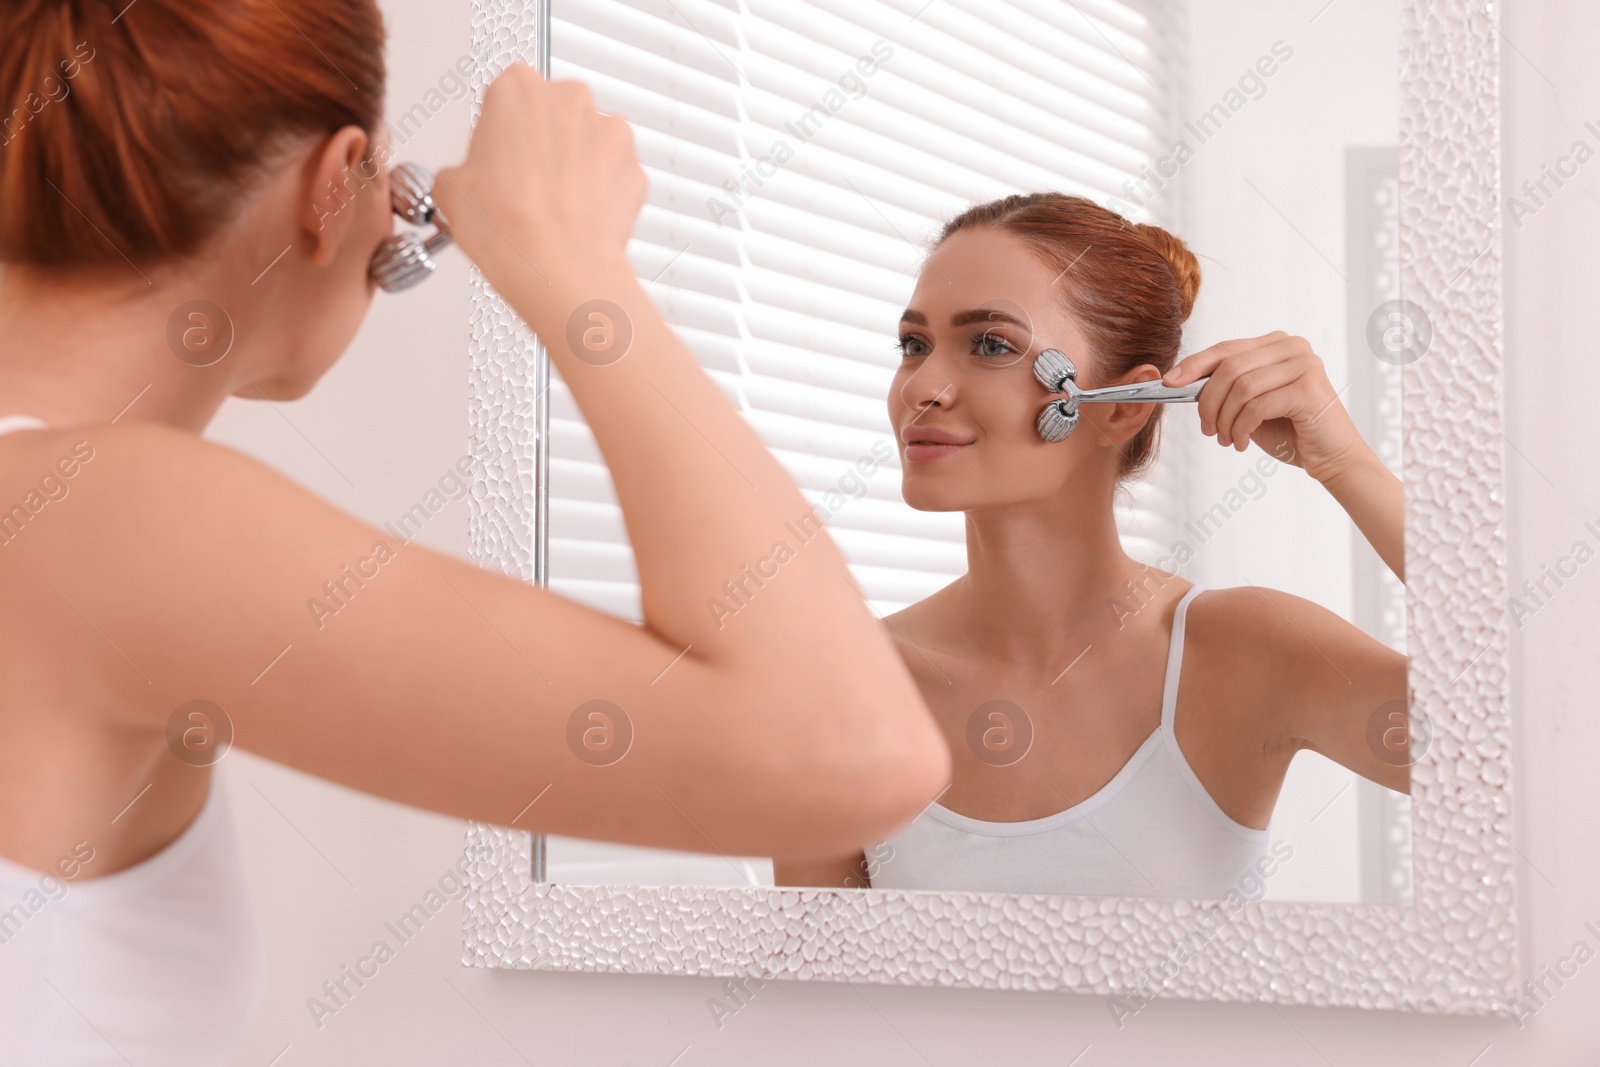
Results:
x,y
1130,286
129,131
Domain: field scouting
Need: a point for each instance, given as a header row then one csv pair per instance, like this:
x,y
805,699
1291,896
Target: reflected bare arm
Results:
x,y
1323,683
1374,499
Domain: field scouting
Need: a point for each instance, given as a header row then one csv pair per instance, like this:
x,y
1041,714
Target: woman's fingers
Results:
x,y
1239,377
1215,393
1256,380
1266,392
546,178
1196,366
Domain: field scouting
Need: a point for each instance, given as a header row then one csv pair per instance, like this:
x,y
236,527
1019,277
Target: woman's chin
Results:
x,y
932,497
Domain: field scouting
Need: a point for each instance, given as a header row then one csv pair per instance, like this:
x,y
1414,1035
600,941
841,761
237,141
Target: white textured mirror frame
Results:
x,y
1453,950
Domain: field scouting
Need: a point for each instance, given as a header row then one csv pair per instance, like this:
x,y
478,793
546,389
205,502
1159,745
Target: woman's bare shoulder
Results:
x,y
1251,619
135,456
187,555
1269,643
59,486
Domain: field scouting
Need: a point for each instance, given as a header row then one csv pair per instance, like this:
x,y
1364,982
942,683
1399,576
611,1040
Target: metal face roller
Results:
x,y
1057,373
404,259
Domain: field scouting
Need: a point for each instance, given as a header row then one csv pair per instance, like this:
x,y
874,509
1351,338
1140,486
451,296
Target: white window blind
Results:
x,y
801,155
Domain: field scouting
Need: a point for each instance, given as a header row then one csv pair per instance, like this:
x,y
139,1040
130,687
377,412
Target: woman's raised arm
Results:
x,y
790,728
1322,683
1274,390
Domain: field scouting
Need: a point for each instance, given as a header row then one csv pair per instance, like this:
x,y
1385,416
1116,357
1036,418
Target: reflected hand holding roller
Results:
x,y
404,259
1057,373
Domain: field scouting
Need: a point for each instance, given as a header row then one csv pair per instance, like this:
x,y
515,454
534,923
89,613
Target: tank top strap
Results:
x,y
1169,689
10,423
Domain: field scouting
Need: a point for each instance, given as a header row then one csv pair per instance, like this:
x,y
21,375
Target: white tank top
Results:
x,y
1151,831
161,963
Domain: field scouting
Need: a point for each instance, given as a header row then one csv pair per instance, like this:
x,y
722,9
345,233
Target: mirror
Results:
x,y
1265,137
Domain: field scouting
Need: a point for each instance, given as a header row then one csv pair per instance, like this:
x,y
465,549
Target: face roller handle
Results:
x,y
1057,373
404,259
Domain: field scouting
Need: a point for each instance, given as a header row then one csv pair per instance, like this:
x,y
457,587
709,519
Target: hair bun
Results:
x,y
1185,268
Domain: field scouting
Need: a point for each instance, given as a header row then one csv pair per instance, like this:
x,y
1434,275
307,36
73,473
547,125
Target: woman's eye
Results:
x,y
909,345
992,345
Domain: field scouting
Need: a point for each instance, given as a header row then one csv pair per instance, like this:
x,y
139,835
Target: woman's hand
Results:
x,y
1274,390
548,183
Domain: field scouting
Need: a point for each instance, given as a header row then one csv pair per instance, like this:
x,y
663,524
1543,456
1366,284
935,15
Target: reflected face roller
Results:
x,y
404,259
1057,373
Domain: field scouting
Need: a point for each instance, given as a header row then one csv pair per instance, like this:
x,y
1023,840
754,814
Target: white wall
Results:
x,y
334,866
1271,256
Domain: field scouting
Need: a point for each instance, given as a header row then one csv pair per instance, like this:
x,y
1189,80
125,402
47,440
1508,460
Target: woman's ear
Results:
x,y
1120,423
339,177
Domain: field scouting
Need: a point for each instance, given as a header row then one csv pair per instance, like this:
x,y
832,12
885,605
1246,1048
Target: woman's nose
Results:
x,y
928,386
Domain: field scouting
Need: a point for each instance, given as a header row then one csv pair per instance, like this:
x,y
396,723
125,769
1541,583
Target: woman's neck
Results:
x,y
1041,580
84,350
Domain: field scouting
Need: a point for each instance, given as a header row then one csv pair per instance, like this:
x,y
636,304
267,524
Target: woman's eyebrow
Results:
x,y
961,318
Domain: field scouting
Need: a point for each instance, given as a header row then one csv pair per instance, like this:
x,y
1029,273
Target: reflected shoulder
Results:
x,y
1278,634
1252,628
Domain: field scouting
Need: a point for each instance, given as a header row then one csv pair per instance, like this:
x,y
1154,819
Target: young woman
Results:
x,y
174,151
1116,730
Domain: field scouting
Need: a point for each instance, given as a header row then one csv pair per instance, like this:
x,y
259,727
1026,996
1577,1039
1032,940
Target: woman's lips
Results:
x,y
924,453
924,444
